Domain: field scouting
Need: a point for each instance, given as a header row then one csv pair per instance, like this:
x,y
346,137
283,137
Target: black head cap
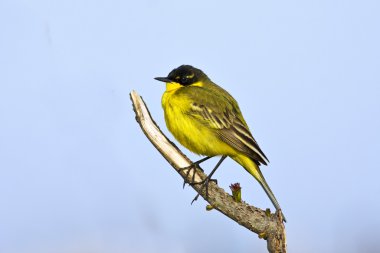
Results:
x,y
184,75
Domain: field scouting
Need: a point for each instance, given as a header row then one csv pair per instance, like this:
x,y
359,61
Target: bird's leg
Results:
x,y
208,179
193,166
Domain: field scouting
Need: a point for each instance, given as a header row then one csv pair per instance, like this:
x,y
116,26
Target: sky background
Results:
x,y
77,175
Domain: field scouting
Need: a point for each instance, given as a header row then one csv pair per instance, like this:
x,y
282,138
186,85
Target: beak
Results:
x,y
163,79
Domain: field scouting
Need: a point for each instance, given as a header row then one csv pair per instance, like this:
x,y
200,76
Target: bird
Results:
x,y
206,119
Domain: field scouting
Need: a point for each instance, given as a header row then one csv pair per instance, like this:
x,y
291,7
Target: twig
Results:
x,y
268,226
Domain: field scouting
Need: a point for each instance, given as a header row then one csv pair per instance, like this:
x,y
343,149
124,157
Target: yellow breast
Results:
x,y
188,130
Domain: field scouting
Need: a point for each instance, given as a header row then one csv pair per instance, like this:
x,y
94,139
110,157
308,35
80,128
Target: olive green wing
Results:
x,y
219,111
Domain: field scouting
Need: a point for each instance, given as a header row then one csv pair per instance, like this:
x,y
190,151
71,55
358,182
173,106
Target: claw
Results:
x,y
193,166
204,184
207,180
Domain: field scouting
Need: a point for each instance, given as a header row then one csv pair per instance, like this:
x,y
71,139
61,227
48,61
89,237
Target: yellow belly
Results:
x,y
189,132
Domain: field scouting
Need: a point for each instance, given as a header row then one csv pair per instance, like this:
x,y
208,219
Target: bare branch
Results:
x,y
268,226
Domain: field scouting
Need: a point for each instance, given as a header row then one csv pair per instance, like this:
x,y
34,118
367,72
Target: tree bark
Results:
x,y
266,225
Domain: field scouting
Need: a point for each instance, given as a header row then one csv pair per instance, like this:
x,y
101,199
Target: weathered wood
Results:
x,y
266,225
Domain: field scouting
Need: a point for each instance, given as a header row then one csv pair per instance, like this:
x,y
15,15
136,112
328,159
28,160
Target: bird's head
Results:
x,y
184,75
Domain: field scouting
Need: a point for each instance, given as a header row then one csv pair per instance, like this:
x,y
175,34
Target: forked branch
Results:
x,y
264,224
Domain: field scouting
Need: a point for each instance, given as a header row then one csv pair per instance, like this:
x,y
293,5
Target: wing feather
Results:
x,y
228,124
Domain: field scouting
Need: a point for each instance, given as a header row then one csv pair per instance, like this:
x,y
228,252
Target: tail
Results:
x,y
255,171
268,191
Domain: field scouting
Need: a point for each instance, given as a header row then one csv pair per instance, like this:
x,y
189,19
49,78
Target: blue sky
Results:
x,y
78,175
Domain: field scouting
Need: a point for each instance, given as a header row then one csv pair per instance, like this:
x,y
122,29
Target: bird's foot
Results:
x,y
193,167
204,184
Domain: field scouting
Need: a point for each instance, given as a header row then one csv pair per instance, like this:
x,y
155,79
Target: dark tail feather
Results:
x,y
270,194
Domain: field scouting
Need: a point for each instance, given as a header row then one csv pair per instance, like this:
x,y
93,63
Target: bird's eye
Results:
x,y
184,79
